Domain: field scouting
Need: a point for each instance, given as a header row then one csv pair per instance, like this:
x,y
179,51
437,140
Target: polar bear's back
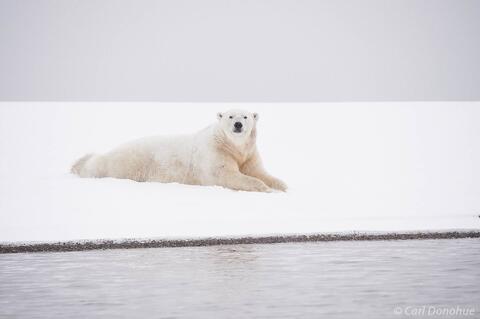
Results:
x,y
182,159
157,158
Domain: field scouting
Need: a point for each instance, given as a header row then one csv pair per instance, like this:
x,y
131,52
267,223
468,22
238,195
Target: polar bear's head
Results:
x,y
237,124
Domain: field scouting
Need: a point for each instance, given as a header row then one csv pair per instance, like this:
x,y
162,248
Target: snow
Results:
x,y
349,166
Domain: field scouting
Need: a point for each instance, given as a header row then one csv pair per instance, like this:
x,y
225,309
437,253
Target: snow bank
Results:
x,y
349,166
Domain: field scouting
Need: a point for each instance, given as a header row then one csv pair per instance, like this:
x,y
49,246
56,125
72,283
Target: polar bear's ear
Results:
x,y
255,116
219,116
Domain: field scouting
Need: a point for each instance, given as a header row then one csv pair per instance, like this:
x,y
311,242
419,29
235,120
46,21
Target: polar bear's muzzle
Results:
x,y
237,127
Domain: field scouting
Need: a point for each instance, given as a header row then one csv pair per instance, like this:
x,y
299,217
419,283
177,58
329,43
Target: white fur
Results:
x,y
217,155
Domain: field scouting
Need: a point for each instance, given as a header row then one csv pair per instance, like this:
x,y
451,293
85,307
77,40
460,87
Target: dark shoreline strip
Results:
x,y
159,243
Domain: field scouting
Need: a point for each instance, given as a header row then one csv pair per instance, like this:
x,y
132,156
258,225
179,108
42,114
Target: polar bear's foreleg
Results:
x,y
254,168
238,181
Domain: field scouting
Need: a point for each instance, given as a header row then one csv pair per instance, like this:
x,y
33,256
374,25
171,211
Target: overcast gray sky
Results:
x,y
240,50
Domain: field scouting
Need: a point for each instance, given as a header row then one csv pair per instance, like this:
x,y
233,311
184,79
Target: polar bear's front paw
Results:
x,y
246,183
277,184
259,186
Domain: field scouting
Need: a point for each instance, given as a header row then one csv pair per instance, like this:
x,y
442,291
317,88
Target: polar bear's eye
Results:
x,y
231,117
245,117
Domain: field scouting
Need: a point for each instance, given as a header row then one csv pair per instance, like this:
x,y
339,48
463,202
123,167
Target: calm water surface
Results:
x,y
301,280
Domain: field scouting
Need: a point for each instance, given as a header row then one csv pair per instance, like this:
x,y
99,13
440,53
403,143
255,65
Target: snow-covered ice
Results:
x,y
349,167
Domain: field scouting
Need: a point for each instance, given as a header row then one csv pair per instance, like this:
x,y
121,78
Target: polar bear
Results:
x,y
223,154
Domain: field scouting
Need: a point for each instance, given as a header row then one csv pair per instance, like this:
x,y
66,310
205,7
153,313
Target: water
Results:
x,y
301,280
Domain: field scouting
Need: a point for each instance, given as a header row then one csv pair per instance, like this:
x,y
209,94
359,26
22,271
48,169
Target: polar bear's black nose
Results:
x,y
238,125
